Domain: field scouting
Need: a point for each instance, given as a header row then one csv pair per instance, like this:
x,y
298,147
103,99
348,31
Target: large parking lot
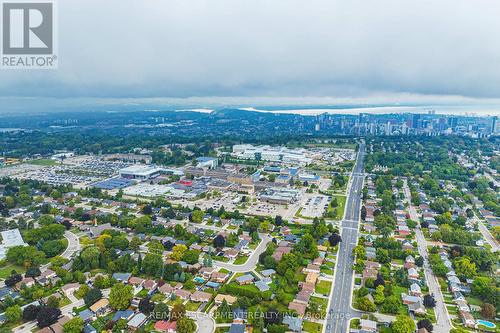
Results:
x,y
315,206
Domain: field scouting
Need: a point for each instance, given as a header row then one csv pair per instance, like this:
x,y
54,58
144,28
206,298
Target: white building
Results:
x,y
10,238
207,162
141,172
272,154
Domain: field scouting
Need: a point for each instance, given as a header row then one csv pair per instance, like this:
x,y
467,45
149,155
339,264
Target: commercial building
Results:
x,y
279,195
207,162
10,239
272,154
140,172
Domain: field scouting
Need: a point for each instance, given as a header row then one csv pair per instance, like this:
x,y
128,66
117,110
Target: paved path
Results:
x,y
339,309
443,324
73,245
251,262
204,322
486,234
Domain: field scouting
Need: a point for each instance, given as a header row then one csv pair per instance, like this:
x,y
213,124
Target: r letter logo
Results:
x,y
28,35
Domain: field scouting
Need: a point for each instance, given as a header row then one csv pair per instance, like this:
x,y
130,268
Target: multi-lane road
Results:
x,y
340,310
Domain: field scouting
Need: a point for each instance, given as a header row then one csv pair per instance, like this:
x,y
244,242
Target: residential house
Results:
x,y
415,290
409,299
87,316
417,307
166,289
182,294
27,281
467,319
369,274
122,277
462,306
123,314
166,326
413,274
311,268
200,296
100,307
294,324
228,298
262,286
299,307
268,272
150,285
219,277
136,281
245,279
137,321
237,328
206,272
70,288
458,296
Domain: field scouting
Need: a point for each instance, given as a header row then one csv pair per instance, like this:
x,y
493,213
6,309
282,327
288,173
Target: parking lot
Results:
x,y
315,206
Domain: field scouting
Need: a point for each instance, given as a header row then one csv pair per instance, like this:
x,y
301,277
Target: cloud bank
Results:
x,y
269,48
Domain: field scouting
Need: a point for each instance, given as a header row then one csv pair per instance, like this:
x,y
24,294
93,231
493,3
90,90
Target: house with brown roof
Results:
x,y
228,298
298,307
28,282
467,319
231,253
200,296
166,326
311,268
280,251
206,272
166,289
219,277
369,274
150,285
136,281
373,265
182,294
312,277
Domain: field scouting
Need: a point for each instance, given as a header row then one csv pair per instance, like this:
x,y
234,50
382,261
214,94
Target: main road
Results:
x,y
340,310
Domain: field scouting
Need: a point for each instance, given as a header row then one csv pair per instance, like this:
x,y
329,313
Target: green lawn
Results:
x,y
323,287
240,260
43,162
340,206
6,270
311,327
192,306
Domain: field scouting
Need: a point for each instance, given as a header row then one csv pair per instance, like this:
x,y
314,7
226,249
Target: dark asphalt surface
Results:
x,y
340,308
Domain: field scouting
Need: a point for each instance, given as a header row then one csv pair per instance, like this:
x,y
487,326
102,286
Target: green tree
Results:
x,y
403,324
152,264
186,325
465,268
74,325
13,313
120,296
378,295
364,304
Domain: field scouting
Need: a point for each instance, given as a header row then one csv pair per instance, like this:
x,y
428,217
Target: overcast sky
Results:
x,y
273,48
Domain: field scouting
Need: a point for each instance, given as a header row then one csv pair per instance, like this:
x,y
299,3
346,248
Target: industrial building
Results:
x,y
140,172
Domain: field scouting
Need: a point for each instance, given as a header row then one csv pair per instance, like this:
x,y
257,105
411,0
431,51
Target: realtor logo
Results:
x,y
28,35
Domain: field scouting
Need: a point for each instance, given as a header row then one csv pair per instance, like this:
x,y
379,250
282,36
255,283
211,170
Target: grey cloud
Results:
x,y
167,48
